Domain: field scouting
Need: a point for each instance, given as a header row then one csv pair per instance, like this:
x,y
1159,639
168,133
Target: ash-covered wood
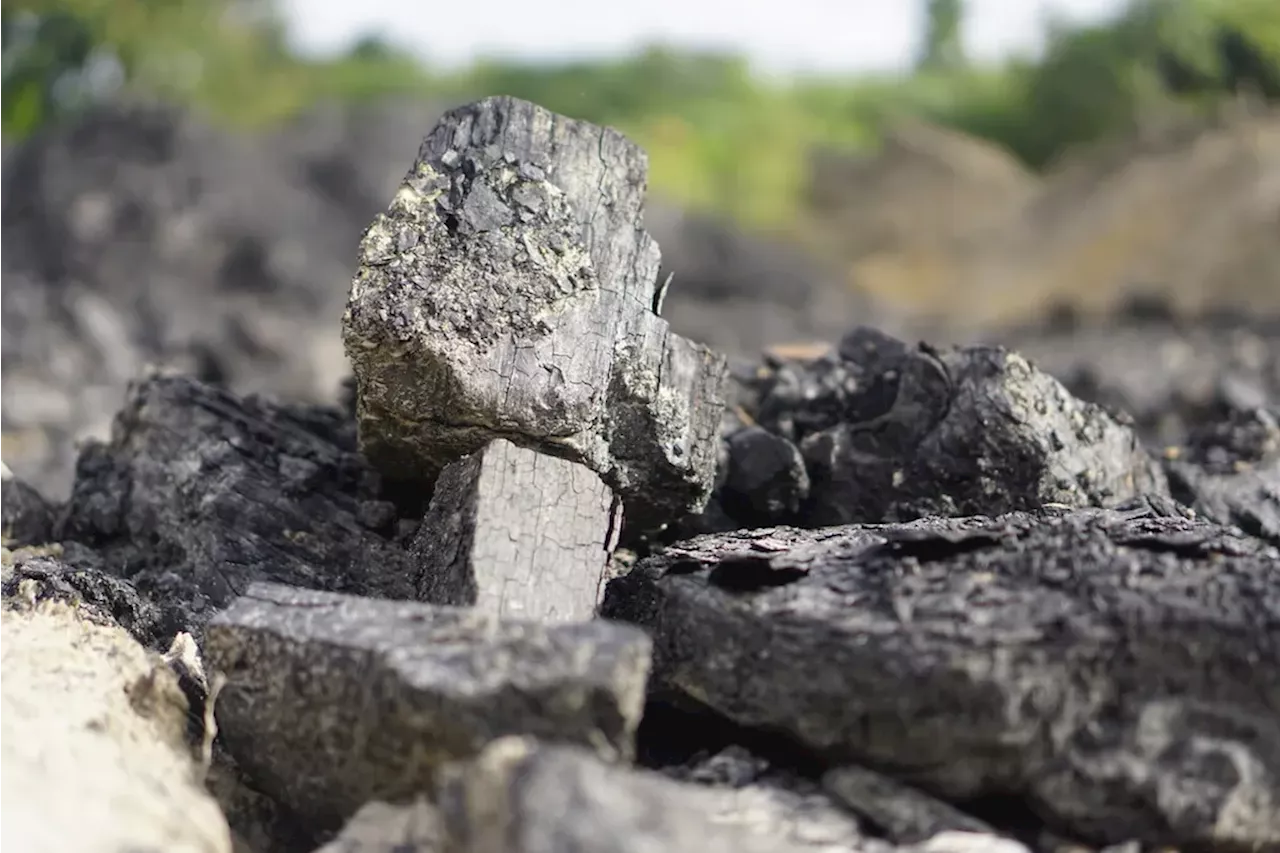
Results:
x,y
517,533
509,291
332,701
1103,665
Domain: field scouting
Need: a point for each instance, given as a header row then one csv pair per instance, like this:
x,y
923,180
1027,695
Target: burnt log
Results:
x,y
1117,670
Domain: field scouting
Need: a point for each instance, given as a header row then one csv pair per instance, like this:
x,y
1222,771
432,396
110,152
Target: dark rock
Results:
x,y
333,700
199,493
1100,664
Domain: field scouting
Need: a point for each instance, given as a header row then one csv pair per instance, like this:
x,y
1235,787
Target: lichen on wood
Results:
x,y
508,292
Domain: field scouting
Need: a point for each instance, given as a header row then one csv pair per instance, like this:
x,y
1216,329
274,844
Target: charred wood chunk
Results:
x,y
517,533
895,433
199,493
332,700
508,292
1099,664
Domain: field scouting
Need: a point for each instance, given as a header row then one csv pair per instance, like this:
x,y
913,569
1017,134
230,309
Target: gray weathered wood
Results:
x,y
517,533
527,797
508,292
334,700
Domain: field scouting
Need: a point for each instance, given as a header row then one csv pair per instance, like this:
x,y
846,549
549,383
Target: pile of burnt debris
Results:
x,y
556,578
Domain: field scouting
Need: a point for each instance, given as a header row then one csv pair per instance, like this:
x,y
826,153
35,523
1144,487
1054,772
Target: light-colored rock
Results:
x,y
95,756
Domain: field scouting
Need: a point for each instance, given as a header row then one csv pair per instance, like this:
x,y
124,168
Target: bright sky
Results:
x,y
778,35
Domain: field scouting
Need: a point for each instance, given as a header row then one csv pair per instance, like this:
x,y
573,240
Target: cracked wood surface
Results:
x,y
508,292
517,533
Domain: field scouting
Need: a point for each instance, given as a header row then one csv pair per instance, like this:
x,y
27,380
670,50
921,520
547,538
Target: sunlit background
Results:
x,y
942,169
944,154
803,36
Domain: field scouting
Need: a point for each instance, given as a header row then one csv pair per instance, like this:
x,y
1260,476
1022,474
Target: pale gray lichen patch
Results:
x,y
481,251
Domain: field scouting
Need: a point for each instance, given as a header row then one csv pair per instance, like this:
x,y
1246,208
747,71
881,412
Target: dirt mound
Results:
x,y
1190,213
926,186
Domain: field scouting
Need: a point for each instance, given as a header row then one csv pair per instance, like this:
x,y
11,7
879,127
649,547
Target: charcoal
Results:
x,y
517,533
766,481
1172,377
332,700
78,578
199,493
894,433
1071,658
1230,471
27,517
498,298
1047,615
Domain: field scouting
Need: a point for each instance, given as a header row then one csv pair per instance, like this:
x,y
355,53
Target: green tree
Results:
x,y
44,58
943,45
228,57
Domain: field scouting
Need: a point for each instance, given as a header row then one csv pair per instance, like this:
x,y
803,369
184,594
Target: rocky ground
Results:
x,y
882,596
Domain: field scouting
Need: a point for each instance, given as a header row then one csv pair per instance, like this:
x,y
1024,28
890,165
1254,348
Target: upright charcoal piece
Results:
x,y
516,533
510,292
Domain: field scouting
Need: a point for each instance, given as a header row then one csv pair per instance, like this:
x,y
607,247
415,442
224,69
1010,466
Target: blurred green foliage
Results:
x,y
719,137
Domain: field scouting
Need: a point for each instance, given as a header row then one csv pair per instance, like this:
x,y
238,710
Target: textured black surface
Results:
x,y
199,493
1071,658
